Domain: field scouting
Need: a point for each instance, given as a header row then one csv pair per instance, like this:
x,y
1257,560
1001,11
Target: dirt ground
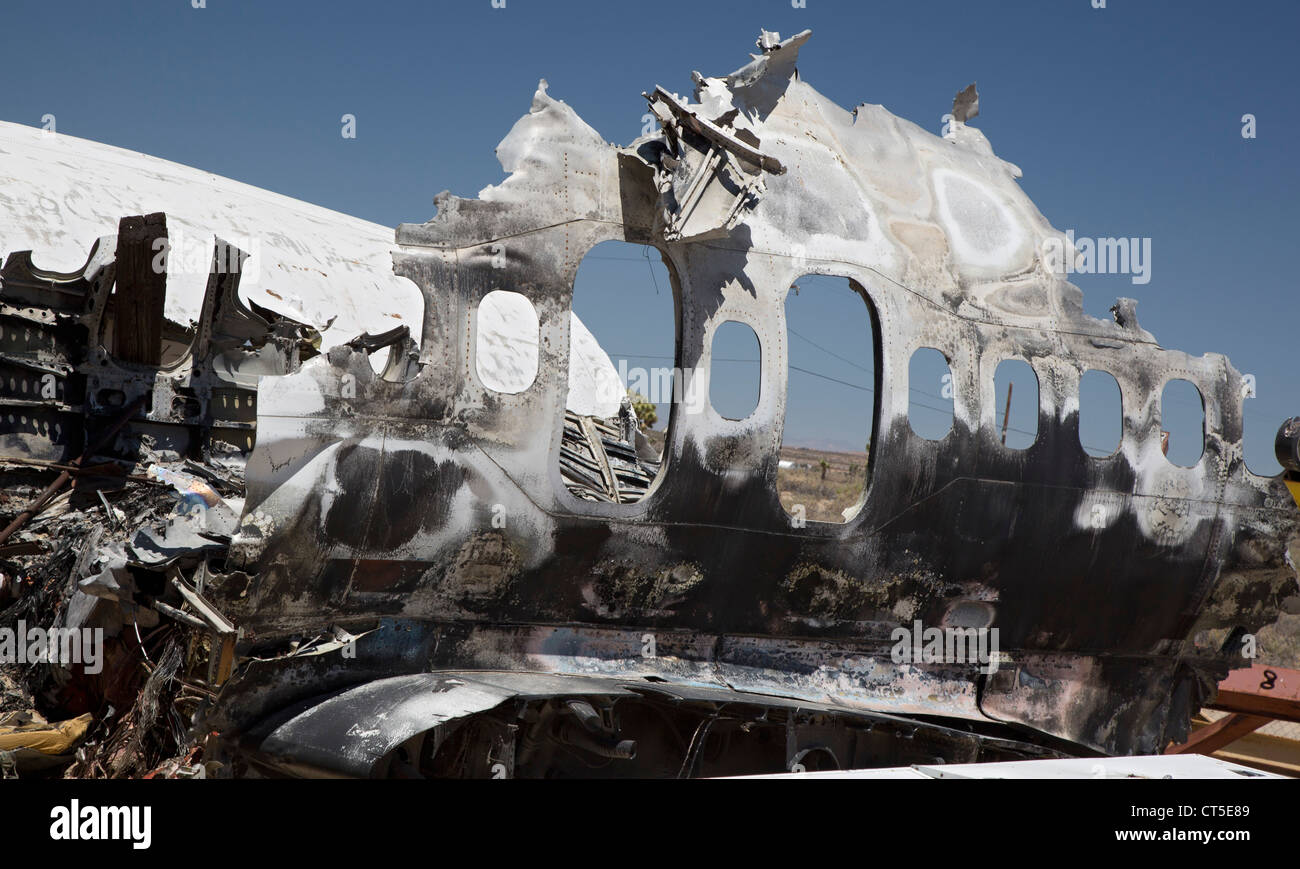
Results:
x,y
823,498
824,494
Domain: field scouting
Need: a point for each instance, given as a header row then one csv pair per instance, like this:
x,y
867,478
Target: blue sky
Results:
x,y
1126,120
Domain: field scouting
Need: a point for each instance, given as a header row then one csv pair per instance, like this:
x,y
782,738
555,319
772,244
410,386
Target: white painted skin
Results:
x,y
59,193
505,350
506,355
594,385
981,228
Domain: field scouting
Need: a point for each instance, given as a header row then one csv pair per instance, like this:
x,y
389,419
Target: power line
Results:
x,y
645,251
948,411
832,379
1186,402
828,352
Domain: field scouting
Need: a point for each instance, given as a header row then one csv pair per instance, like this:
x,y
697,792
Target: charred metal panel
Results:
x,y
416,717
410,526
66,385
436,500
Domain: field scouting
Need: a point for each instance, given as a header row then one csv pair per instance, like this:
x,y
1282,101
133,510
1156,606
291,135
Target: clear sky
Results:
x,y
1127,120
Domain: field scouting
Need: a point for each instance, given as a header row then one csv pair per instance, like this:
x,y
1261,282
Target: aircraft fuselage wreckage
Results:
x,y
369,561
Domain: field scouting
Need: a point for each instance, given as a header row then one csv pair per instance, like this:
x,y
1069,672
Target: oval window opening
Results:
x,y
734,372
1182,423
1015,389
622,337
830,399
1101,414
929,394
505,349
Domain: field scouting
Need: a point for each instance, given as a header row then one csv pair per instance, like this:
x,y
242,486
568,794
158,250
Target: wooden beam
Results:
x,y
1225,731
141,291
1270,753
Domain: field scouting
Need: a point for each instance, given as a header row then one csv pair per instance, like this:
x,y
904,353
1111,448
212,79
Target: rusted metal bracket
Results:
x,y
223,631
1253,697
1272,692
1221,733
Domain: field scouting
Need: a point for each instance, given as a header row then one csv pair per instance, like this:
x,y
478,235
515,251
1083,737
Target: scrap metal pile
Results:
x,y
601,461
115,529
122,537
467,561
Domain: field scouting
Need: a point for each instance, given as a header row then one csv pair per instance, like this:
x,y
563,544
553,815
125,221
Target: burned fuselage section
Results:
x,y
515,586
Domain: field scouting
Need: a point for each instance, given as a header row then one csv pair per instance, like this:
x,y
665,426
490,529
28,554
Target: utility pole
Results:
x,y
1006,414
